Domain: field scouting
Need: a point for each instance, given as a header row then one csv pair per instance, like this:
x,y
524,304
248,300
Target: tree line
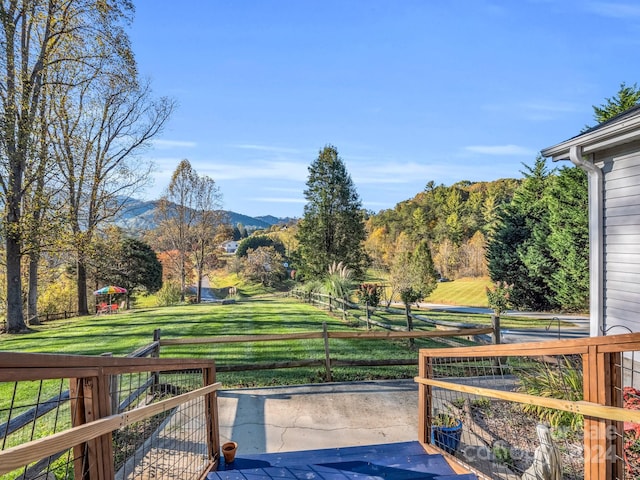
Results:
x,y
529,234
75,115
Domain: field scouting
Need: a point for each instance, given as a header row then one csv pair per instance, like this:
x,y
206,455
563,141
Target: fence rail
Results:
x,y
328,362
582,388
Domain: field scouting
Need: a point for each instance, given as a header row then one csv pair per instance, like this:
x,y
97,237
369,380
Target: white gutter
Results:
x,y
596,239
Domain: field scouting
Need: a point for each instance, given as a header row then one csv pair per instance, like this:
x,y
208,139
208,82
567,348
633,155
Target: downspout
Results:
x,y
596,240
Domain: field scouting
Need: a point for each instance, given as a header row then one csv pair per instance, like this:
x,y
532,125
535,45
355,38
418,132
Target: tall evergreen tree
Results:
x,y
568,239
627,97
332,228
518,252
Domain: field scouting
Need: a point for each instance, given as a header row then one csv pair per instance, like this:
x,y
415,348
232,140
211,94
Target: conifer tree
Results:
x,y
518,252
332,228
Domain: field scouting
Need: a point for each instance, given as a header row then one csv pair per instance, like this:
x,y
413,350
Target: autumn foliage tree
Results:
x,y
189,216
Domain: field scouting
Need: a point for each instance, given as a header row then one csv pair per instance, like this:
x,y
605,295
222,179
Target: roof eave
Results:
x,y
610,135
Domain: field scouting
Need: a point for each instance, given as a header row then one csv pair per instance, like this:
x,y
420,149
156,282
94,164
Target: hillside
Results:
x,y
140,215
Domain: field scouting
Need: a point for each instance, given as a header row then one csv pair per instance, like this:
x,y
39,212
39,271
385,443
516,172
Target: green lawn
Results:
x,y
470,292
124,332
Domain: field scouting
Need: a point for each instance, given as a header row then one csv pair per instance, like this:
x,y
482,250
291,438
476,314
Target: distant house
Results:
x,y
230,246
610,154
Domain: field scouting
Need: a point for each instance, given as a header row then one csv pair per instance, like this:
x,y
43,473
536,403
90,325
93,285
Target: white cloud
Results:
x,y
394,172
278,200
265,148
245,170
499,150
614,9
535,110
165,144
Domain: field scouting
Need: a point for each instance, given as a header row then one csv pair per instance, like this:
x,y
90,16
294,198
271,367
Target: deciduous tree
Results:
x,y
413,275
264,264
189,215
36,39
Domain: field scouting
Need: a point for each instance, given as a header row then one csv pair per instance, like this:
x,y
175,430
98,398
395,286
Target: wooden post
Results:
x,y
330,304
114,399
93,450
211,414
156,354
156,338
344,310
327,358
602,384
105,441
366,309
425,370
495,324
78,417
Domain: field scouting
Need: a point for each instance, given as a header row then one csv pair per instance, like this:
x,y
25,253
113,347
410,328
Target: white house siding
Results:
x,y
621,306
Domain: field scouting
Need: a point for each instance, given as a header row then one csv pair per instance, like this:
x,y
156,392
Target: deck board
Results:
x,y
396,461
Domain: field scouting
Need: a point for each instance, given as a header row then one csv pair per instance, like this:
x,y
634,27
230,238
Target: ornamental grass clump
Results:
x,y
562,380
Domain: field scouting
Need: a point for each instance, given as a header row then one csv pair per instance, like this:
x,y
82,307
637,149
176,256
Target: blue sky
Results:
x,y
407,90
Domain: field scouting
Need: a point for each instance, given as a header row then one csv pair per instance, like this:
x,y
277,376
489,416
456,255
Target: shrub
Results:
x,y
169,294
562,380
370,293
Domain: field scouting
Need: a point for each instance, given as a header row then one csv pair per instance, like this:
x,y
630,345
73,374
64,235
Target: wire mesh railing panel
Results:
x,y
161,436
30,410
630,394
171,444
502,438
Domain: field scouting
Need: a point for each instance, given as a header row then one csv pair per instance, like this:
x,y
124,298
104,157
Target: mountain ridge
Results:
x,y
140,215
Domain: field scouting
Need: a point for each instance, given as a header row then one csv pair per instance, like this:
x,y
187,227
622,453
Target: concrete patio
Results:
x,y
309,417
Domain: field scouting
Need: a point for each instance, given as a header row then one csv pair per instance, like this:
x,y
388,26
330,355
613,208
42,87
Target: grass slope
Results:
x,y
124,332
470,292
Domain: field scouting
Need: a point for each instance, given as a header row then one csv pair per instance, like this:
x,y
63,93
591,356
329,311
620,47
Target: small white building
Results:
x,y
230,246
610,154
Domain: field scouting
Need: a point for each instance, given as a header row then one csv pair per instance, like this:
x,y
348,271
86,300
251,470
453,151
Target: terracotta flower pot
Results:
x,y
229,451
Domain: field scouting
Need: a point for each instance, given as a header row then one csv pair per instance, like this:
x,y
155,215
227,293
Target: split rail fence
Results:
x,y
326,336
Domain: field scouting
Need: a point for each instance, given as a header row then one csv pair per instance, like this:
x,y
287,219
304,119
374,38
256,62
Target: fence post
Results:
x,y
156,354
89,401
213,428
112,381
366,309
330,304
495,323
327,358
602,384
425,370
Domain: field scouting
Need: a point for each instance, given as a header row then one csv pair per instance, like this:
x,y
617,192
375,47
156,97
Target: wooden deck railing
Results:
x,y
451,379
82,423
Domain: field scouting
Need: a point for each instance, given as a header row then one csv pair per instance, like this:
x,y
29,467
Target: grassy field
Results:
x,y
122,333
469,292
464,291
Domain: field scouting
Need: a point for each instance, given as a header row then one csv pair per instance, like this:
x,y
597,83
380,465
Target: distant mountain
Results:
x,y
140,215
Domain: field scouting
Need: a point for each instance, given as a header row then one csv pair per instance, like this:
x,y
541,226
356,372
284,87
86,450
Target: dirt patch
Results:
x,y
518,440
